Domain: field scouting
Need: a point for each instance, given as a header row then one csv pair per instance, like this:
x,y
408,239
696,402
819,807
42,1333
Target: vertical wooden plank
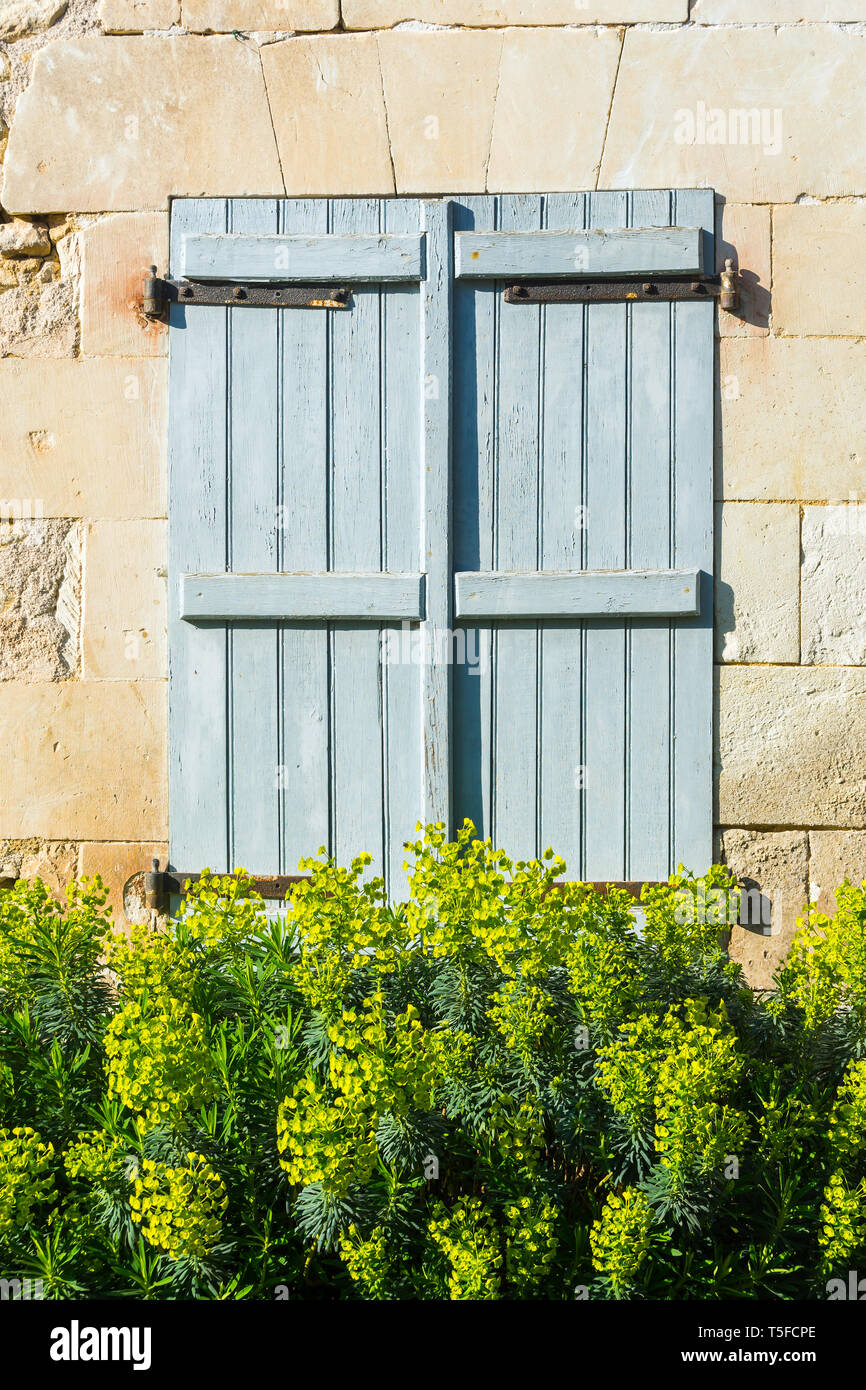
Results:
x,y
476,306
693,491
605,711
253,464
356,544
303,545
561,512
401,512
648,547
198,826
436,290
516,511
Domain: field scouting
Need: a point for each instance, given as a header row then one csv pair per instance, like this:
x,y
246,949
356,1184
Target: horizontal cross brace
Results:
x,y
323,597
627,251
498,595
158,294
619,292
302,257
160,886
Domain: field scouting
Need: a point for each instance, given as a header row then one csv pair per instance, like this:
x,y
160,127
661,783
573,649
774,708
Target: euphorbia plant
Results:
x,y
501,1087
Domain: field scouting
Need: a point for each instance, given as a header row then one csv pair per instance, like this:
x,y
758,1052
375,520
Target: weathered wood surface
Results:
x,y
576,594
294,597
516,254
556,459
330,258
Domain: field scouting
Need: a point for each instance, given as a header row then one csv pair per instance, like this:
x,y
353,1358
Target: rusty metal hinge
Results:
x,y
722,287
159,293
161,885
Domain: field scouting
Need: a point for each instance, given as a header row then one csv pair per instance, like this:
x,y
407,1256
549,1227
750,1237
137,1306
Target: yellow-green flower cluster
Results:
x,y
627,1068
391,1067
471,901
848,1116
179,1210
826,966
30,915
521,1014
367,1261
94,1156
149,962
683,1071
343,926
221,911
694,1129
519,1132
26,1176
603,977
531,1243
328,1134
684,918
620,1239
324,1139
158,1060
843,1220
468,1238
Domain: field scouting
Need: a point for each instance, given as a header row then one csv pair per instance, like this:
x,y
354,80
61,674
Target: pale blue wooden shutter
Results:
x,y
583,442
298,445
331,472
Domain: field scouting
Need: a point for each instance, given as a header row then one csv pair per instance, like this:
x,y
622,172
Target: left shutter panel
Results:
x,y
294,450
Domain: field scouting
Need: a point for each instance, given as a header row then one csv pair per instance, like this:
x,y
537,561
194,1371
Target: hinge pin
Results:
x,y
728,293
152,300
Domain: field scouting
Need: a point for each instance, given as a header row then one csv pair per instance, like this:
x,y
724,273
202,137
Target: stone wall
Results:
x,y
108,109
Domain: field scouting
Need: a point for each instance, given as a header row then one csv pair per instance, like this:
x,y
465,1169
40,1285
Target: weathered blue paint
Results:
x,y
597,253
348,488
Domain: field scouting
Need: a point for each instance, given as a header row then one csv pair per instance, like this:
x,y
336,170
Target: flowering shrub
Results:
x,y
179,1209
499,1089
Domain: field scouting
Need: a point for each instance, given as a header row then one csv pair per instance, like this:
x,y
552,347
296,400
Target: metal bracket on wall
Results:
x,y
159,293
722,287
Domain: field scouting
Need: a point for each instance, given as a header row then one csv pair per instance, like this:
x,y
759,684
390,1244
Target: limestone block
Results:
x,y
115,253
329,115
38,319
819,269
551,108
53,861
222,16
776,865
379,14
132,16
791,746
90,760
115,863
834,585
834,856
791,415
439,92
52,414
21,238
757,582
5,67
774,11
743,235
125,600
761,115
39,596
154,125
21,18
